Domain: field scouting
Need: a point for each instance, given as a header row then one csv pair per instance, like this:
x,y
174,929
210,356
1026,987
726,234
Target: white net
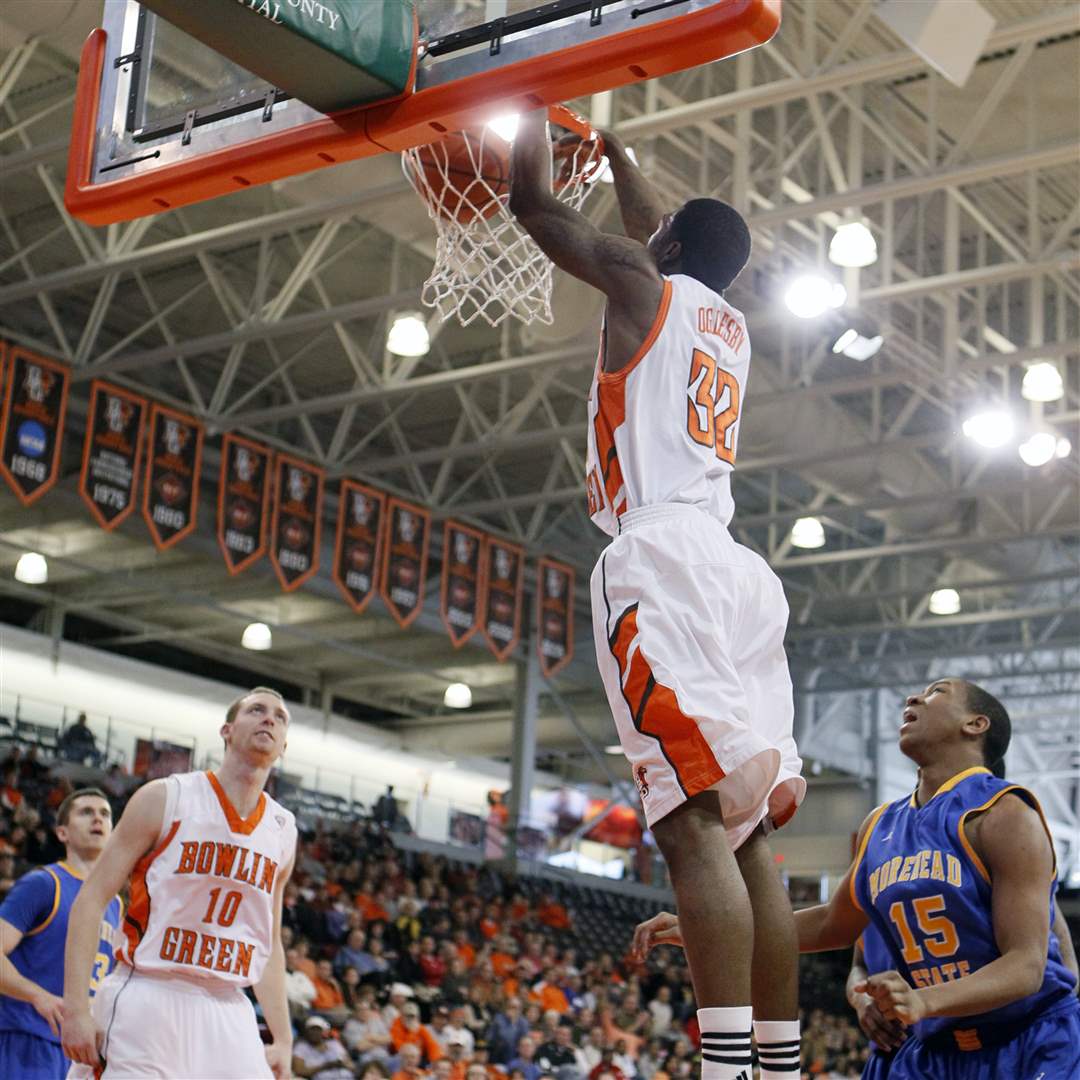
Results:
x,y
486,265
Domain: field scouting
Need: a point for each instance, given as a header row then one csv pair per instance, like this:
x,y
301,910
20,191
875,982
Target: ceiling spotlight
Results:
x,y
1063,446
505,126
257,637
857,346
408,335
1038,449
853,246
613,749
812,295
1042,382
992,428
32,569
807,532
457,696
944,602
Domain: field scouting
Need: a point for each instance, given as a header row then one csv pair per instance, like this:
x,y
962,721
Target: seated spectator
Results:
x,y
507,1029
432,965
524,1061
456,1060
366,1034
457,1030
354,954
304,962
299,989
328,1000
558,1053
351,988
318,1054
407,1030
409,1064
10,796
661,1011
400,993
552,914
440,1022
374,1070
607,1069
77,743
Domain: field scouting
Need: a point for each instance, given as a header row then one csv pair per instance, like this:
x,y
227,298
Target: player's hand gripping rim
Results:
x,y
662,929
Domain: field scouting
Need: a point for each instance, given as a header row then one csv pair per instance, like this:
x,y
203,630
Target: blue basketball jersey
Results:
x,y
38,905
928,894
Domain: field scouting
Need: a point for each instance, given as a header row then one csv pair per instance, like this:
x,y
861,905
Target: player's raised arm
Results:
x,y
133,837
270,992
640,204
1017,852
619,267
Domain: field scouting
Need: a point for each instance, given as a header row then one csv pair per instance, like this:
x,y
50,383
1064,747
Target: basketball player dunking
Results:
x,y
688,624
207,856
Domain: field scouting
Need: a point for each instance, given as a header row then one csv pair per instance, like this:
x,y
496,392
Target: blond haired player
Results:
x,y
688,624
207,855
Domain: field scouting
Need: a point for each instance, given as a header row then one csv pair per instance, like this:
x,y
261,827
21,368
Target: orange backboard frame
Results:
x,y
678,42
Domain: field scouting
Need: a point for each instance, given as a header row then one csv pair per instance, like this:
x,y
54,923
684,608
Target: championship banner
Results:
x,y
358,545
555,615
171,487
408,530
243,501
294,550
504,575
32,423
110,462
461,596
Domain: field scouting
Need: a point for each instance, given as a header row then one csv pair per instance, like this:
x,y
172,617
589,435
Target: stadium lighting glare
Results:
x,y
408,335
1063,446
457,696
991,428
608,177
1042,382
257,637
857,347
505,126
32,569
811,295
807,532
613,749
1038,449
853,246
944,602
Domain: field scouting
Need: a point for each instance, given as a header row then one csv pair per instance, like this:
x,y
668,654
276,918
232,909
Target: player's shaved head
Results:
x,y
714,240
981,702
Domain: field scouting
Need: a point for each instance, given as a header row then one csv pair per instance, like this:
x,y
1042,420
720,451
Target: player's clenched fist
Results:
x,y
662,929
895,999
80,1039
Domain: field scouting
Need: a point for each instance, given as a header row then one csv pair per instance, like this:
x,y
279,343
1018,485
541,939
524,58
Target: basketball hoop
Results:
x,y
486,265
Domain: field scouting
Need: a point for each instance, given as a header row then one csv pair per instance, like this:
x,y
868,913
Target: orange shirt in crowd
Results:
x,y
307,966
502,964
327,995
410,1074
554,915
468,954
551,997
489,928
518,910
370,908
400,1035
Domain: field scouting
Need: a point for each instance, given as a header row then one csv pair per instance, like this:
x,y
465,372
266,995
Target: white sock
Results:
x,y
725,1043
778,1046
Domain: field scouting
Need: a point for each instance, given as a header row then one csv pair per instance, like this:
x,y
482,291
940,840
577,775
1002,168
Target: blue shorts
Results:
x,y
1047,1050
877,1065
30,1057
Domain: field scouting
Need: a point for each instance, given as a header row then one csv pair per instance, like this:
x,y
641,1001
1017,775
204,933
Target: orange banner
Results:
x,y
358,545
408,531
297,528
554,615
171,488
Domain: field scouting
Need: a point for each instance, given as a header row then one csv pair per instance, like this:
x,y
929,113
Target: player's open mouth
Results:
x,y
909,717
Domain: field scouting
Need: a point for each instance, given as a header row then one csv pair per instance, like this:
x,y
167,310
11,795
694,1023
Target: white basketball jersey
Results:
x,y
202,901
665,428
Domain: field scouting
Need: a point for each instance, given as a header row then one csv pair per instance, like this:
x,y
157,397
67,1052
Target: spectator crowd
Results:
x,y
410,966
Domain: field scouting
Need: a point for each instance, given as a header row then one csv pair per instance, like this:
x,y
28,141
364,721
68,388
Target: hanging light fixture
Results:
x,y
32,569
944,602
853,246
811,295
991,428
458,696
1042,382
257,636
408,335
807,532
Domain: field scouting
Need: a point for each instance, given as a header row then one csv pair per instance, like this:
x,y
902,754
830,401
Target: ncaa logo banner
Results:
x,y
171,486
504,577
358,545
243,501
555,615
408,530
111,451
461,597
32,424
297,529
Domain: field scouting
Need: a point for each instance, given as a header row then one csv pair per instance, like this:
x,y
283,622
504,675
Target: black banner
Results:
x,y
243,501
461,597
408,530
555,615
171,487
32,423
504,574
294,550
110,463
359,542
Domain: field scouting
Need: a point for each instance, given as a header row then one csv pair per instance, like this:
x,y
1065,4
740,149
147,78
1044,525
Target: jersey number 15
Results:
x,y
707,389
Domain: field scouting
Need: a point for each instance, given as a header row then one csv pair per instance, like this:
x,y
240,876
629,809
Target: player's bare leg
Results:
x,y
774,978
717,925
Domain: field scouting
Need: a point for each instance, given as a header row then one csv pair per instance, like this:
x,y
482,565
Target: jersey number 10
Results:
x,y
706,391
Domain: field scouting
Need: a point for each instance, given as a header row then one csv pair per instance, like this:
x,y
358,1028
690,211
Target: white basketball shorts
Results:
x,y
170,1026
689,631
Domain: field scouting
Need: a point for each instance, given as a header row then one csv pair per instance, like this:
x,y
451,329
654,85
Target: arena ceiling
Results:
x,y
266,313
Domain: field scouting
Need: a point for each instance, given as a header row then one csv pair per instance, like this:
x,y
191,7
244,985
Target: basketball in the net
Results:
x,y
466,174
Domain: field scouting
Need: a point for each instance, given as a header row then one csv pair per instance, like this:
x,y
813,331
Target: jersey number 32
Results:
x,y
708,389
